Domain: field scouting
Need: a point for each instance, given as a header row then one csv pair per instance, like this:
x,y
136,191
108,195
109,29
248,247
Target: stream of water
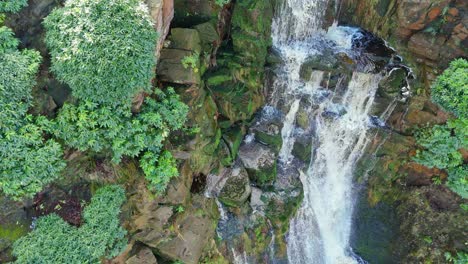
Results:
x,y
321,230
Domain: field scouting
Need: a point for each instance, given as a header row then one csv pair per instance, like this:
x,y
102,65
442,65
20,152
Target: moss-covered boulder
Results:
x,y
236,189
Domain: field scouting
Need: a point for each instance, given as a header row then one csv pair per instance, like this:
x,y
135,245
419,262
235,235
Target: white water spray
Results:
x,y
321,230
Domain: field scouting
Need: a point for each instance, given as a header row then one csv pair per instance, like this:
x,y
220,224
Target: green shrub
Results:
x,y
441,145
12,6
27,161
158,175
103,49
100,129
55,241
450,90
222,2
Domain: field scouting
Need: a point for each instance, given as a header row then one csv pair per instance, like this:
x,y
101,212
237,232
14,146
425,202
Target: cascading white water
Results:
x,y
321,230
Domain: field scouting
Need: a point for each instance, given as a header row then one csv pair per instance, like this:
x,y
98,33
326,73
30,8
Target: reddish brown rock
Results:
x,y
419,175
424,45
162,13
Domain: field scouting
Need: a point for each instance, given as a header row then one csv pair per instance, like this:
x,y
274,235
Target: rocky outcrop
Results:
x,y
162,13
429,33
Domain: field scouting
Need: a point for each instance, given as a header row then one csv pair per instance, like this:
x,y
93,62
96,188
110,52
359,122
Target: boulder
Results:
x,y
170,68
236,189
185,39
260,162
192,230
143,256
208,34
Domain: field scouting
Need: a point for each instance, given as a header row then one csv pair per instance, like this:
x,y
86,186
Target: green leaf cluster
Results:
x,y
104,50
450,90
12,6
27,161
102,129
55,241
160,175
442,143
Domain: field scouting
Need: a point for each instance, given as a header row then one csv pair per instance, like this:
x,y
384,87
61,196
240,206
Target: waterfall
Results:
x,y
321,230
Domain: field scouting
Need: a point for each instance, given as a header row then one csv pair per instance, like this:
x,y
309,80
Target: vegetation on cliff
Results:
x,y
103,49
55,241
12,6
27,160
443,143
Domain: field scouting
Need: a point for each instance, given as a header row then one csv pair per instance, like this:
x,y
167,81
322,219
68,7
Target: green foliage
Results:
x,y
458,180
450,90
12,6
27,161
103,49
460,258
222,2
102,129
55,241
441,150
158,169
441,147
191,61
8,42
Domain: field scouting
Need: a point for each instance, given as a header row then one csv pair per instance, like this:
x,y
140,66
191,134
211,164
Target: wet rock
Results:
x,y
233,137
302,148
236,189
391,85
260,162
143,256
256,199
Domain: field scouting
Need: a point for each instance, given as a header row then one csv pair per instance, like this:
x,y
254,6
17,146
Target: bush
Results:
x,y
101,129
450,90
103,49
27,161
12,6
441,145
55,241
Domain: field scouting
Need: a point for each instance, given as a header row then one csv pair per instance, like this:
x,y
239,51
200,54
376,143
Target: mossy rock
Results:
x,y
170,68
185,39
208,35
237,189
233,137
192,12
260,162
274,141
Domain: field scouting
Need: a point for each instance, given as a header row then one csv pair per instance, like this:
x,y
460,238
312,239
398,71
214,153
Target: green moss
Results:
x,y
13,232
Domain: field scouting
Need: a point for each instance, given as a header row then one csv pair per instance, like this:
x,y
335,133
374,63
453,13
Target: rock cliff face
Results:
x,y
427,218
